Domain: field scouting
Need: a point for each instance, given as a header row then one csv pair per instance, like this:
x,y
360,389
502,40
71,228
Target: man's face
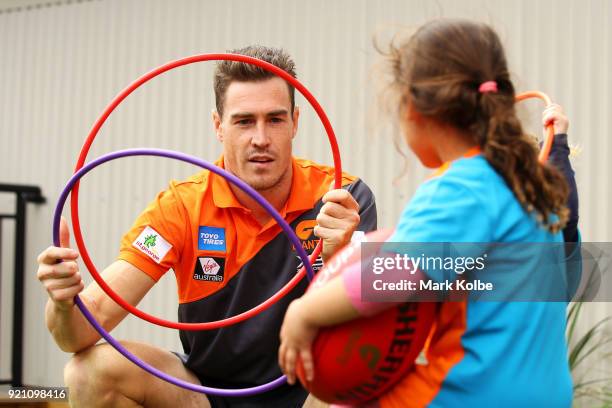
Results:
x,y
257,130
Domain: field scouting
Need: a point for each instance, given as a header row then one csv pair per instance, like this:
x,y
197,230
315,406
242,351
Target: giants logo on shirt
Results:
x,y
305,232
209,268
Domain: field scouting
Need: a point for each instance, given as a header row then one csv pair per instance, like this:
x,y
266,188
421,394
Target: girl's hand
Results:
x,y
297,335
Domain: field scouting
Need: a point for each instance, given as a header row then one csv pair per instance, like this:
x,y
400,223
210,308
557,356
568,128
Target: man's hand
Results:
x,y
59,273
336,222
61,280
554,114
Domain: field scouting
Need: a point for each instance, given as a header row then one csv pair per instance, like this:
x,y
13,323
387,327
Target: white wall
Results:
x,y
60,64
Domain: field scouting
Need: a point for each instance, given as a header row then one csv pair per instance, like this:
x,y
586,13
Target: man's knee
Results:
x,y
94,373
100,376
91,363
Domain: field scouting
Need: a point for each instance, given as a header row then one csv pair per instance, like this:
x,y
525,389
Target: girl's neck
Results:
x,y
452,143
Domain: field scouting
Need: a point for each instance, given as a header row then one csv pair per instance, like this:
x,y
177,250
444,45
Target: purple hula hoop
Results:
x,y
243,392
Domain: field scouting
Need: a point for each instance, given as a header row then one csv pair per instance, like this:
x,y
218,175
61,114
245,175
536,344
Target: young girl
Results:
x,y
457,114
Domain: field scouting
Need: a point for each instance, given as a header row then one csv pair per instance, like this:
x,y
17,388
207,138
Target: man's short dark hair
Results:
x,y
227,72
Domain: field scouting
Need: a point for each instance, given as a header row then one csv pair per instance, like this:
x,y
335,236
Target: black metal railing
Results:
x,y
24,195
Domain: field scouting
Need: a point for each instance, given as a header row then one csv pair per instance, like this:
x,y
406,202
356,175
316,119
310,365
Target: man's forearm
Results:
x,y
69,328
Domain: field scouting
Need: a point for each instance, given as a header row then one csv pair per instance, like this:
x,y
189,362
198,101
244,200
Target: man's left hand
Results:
x,y
336,222
554,114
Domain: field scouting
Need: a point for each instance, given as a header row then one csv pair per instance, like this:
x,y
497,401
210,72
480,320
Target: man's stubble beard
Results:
x,y
263,186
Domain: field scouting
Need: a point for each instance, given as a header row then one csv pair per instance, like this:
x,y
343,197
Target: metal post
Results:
x,y
19,292
24,194
2,218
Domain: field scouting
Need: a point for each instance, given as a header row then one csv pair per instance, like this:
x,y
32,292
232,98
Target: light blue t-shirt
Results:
x,y
514,353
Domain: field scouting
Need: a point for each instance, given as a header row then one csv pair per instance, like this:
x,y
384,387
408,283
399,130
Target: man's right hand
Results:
x,y
59,272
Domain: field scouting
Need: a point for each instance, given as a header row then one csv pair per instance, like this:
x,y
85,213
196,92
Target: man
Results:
x,y
227,253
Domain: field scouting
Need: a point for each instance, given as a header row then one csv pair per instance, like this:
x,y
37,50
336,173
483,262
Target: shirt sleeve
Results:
x,y
573,265
367,205
559,157
155,241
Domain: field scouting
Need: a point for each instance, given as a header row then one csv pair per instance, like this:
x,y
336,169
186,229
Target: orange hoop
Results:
x,y
550,131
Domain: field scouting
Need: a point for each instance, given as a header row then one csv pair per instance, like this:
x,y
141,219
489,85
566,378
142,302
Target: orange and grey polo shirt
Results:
x,y
225,263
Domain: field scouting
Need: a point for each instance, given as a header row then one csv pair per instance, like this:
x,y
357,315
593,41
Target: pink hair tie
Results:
x,y
488,86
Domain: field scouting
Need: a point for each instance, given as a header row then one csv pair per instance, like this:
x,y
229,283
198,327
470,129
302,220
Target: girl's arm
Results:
x,y
337,302
327,306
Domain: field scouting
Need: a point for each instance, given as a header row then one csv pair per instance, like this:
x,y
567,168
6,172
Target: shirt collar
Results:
x,y
300,196
472,152
223,196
